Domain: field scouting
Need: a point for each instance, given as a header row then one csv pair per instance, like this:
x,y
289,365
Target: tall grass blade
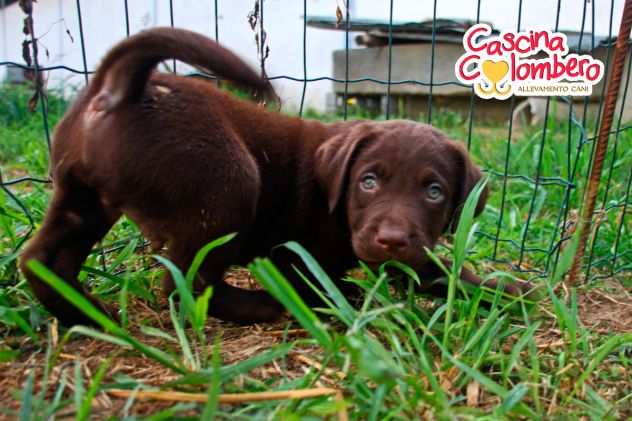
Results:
x,y
79,389
464,228
519,346
228,372
277,285
72,295
598,356
201,255
566,258
88,331
84,409
462,240
187,302
347,311
82,303
183,341
26,407
210,408
512,398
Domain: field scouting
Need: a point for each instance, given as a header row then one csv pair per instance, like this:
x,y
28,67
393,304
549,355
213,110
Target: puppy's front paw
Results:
x,y
245,306
72,316
269,311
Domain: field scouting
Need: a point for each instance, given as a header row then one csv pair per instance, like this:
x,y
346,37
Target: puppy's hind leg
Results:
x,y
75,221
223,200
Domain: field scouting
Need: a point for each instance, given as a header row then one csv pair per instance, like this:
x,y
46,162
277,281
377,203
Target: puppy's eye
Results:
x,y
434,192
368,181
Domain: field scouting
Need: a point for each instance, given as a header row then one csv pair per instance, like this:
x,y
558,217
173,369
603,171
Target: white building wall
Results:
x,y
104,24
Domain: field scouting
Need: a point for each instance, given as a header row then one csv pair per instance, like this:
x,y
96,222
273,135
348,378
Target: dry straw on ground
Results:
x,y
607,309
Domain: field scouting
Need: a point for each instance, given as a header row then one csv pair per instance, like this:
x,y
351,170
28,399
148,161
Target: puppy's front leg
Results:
x,y
431,271
243,306
228,303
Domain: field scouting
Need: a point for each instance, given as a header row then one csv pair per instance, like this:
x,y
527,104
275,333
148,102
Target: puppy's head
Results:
x,y
402,185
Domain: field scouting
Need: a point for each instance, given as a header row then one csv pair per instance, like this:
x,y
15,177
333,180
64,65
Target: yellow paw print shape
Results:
x,y
490,86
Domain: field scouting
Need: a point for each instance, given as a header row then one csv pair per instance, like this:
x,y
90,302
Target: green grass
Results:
x,y
395,356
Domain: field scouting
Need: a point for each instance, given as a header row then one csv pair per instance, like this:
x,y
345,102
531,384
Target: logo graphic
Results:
x,y
531,63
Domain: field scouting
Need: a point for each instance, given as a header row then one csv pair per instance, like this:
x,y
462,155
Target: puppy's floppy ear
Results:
x,y
468,175
333,160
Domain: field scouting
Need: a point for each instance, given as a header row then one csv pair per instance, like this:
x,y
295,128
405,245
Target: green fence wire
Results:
x,y
532,253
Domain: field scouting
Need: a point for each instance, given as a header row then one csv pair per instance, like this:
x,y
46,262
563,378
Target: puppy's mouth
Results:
x,y
373,264
415,258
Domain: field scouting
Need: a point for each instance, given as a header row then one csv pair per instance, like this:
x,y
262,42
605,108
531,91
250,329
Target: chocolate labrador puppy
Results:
x,y
189,163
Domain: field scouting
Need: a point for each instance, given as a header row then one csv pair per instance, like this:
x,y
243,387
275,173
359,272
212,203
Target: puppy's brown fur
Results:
x,y
189,163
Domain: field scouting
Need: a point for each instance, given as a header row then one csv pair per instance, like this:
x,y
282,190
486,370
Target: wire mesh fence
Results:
x,y
538,176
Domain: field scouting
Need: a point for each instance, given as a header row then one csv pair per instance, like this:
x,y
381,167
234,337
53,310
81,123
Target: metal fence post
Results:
x,y
621,49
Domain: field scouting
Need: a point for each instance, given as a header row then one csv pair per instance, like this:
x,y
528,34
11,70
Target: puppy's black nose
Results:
x,y
391,239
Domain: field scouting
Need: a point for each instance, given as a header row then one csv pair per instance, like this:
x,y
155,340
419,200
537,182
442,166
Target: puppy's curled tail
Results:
x,y
122,75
